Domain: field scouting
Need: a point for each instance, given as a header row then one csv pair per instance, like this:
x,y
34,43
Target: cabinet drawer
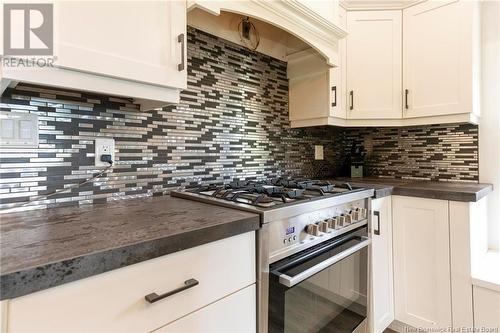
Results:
x,y
235,313
114,301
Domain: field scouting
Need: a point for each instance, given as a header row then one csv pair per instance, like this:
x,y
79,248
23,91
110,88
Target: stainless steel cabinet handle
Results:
x,y
291,281
406,99
377,231
154,297
182,65
351,93
334,90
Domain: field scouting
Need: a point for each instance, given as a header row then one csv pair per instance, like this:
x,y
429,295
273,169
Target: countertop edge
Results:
x,y
415,189
87,265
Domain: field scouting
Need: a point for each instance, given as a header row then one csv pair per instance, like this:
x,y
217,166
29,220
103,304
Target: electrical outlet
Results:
x,y
104,146
318,152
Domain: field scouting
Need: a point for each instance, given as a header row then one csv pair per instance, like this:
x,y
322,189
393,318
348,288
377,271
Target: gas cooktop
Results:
x,y
272,193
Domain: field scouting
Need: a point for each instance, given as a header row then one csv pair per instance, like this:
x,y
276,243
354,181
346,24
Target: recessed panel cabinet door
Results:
x,y
437,53
141,41
382,288
374,65
422,262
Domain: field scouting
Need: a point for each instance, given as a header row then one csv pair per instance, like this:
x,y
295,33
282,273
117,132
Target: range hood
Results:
x,y
291,16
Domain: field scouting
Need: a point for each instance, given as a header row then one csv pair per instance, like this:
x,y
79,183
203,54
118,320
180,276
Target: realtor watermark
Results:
x,y
28,35
461,329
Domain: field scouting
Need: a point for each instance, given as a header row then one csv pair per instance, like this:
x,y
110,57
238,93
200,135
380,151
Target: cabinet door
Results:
x,y
382,286
422,262
374,65
132,40
115,301
437,58
235,313
338,74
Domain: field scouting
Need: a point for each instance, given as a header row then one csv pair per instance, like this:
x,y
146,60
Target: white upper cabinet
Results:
x,y
441,58
132,40
374,64
132,49
402,63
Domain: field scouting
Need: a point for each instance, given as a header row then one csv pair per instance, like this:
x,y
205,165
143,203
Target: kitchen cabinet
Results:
x,y
422,286
312,91
374,64
234,313
402,65
132,49
382,284
338,74
441,50
115,301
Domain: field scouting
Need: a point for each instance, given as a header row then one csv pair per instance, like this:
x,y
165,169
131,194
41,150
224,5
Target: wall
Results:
x,y
232,123
489,136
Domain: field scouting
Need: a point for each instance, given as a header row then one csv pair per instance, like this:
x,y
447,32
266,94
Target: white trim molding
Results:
x,y
334,121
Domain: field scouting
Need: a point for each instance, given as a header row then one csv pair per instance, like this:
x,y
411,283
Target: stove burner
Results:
x,y
272,192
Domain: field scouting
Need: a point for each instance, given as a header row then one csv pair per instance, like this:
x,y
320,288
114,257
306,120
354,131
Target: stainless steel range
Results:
x,y
312,251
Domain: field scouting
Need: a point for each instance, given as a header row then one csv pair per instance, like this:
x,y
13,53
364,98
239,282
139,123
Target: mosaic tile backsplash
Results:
x,y
433,152
232,123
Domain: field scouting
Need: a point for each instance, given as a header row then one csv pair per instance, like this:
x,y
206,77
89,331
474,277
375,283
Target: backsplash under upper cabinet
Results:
x,y
433,152
232,123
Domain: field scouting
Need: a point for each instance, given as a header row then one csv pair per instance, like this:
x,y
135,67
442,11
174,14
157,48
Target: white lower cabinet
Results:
x,y
115,301
382,286
422,276
234,313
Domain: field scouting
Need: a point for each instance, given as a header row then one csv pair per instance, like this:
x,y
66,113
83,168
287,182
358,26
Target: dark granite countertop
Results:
x,y
45,248
453,191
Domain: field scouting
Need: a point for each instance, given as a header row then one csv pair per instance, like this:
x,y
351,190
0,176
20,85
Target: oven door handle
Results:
x,y
292,281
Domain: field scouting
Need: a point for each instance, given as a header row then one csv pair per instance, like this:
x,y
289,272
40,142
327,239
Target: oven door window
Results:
x,y
332,300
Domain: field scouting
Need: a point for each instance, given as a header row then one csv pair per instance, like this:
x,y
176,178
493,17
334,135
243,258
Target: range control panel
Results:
x,y
315,227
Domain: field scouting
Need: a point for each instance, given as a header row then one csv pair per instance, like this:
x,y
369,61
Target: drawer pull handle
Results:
x,y
154,297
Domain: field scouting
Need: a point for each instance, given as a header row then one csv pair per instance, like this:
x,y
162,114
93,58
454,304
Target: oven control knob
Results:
x,y
313,229
348,218
323,226
332,223
364,212
356,214
341,221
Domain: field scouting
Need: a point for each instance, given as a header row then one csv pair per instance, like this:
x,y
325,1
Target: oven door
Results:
x,y
323,289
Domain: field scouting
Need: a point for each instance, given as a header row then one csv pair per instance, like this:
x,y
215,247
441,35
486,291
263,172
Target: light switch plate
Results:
x,y
104,146
18,130
318,152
